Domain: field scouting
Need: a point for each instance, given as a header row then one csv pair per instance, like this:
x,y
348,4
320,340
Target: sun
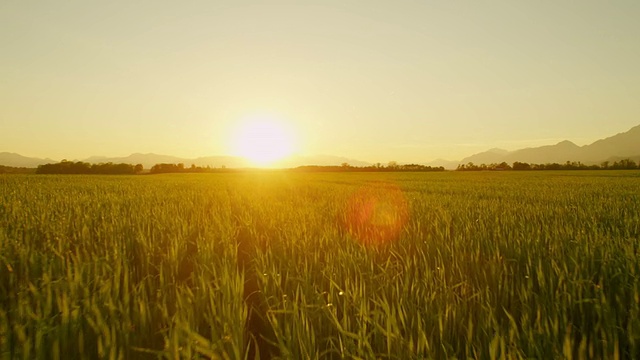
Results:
x,y
263,140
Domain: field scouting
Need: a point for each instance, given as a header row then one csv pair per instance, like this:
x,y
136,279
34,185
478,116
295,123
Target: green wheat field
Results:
x,y
487,265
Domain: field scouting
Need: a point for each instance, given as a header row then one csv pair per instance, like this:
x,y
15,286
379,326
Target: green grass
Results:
x,y
381,265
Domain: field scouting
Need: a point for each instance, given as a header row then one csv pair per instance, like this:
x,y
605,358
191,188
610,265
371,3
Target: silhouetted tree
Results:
x,y
69,167
521,166
625,164
15,170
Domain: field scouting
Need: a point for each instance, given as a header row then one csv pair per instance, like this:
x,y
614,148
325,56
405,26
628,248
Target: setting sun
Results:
x,y
262,140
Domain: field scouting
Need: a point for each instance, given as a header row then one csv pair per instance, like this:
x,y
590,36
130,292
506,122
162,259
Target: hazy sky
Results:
x,y
372,80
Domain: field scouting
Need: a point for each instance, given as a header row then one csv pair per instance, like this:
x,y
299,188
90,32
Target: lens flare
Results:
x,y
376,213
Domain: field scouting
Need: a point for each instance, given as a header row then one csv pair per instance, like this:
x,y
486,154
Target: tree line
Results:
x,y
345,167
79,167
625,164
180,168
15,170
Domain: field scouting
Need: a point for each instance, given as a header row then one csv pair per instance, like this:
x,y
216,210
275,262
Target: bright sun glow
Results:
x,y
263,140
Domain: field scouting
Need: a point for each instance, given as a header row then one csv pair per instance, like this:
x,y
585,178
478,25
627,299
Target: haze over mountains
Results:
x,y
623,145
148,160
17,160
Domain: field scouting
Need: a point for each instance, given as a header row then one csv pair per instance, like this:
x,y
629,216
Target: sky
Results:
x,y
378,81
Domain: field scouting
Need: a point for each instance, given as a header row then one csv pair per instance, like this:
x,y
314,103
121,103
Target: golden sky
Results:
x,y
409,81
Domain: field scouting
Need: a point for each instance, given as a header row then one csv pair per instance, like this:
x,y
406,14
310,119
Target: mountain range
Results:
x,y
17,160
622,145
616,147
148,160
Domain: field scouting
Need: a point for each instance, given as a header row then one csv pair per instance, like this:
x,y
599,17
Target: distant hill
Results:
x,y
623,145
320,160
447,164
486,157
220,161
613,148
147,160
150,159
17,160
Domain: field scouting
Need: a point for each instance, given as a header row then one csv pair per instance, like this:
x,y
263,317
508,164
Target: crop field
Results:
x,y
483,265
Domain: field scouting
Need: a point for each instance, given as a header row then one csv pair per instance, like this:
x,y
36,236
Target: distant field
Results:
x,y
327,265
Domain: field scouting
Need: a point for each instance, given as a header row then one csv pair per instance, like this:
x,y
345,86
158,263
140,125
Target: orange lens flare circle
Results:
x,y
376,213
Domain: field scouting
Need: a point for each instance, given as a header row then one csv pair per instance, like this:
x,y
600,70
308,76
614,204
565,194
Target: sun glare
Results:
x,y
263,140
